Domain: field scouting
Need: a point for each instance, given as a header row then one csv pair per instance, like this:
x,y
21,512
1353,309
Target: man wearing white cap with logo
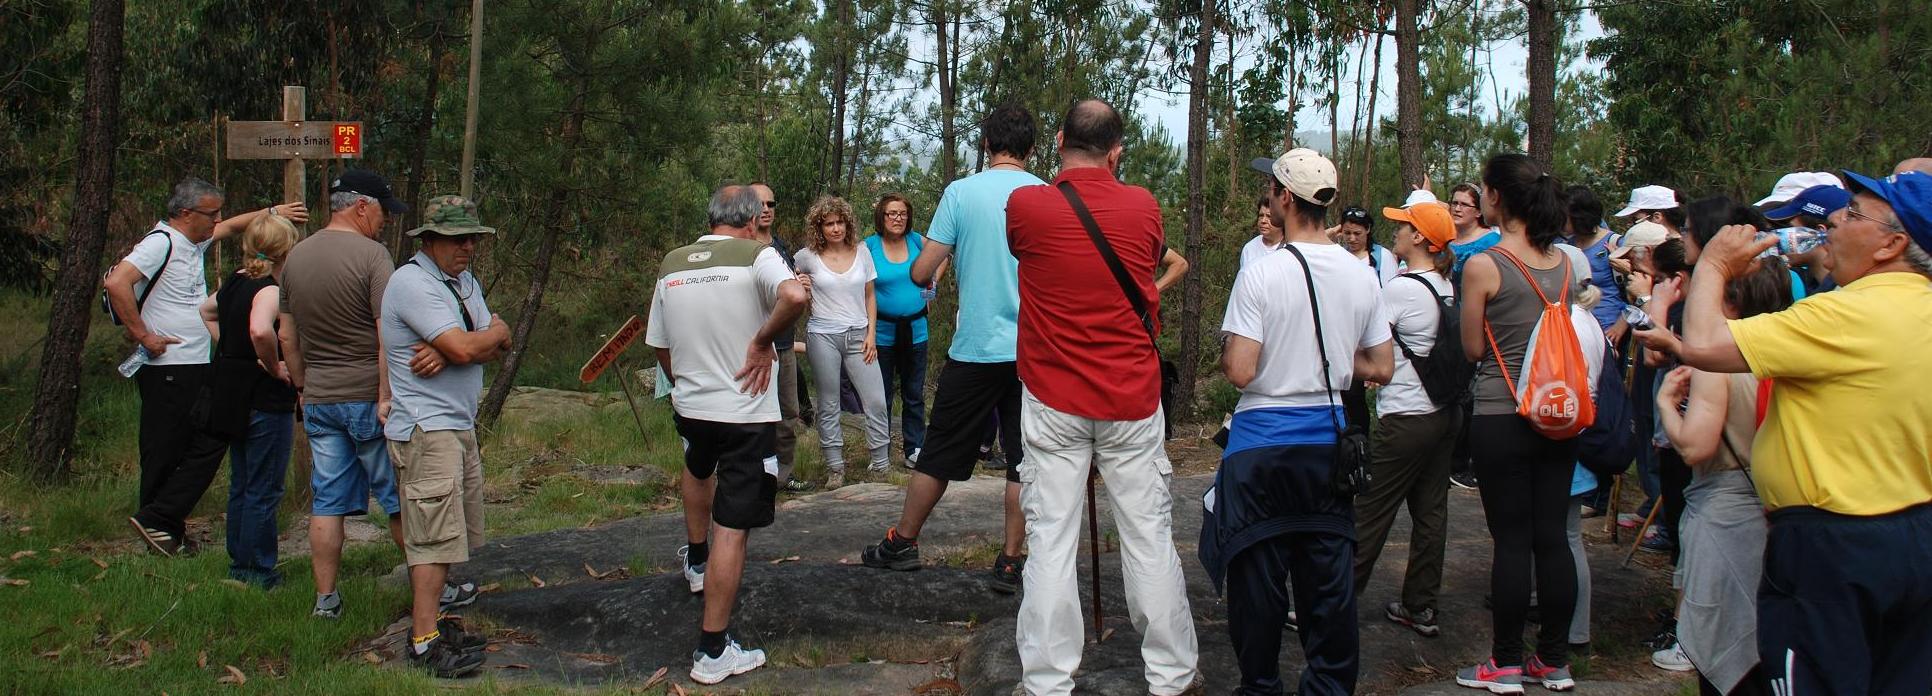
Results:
x,y
1790,185
1303,323
1658,204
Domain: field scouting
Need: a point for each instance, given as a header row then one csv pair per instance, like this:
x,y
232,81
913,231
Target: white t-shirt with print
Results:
x,y
838,299
1269,304
1415,317
174,308
707,314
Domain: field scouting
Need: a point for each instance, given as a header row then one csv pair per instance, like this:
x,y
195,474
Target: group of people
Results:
x,y
385,363
1784,441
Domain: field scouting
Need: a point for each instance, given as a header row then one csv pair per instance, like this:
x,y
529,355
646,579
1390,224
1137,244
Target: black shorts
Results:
x,y
969,394
741,455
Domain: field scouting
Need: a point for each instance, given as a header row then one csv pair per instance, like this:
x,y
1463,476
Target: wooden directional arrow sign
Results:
x,y
611,350
294,139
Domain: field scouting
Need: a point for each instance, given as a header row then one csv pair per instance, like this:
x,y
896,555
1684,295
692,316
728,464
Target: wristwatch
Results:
x,y
1641,300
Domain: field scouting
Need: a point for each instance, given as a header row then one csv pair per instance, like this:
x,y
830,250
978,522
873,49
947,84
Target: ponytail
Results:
x,y
1531,195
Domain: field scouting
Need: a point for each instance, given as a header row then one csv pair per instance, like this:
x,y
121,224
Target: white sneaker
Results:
x,y
692,575
912,458
1672,658
734,660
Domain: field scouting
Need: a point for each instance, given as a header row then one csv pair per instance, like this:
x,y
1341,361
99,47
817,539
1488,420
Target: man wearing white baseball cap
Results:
x,y
1650,200
1299,323
1790,185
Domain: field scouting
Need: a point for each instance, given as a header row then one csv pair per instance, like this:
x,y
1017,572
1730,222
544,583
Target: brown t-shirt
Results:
x,y
333,284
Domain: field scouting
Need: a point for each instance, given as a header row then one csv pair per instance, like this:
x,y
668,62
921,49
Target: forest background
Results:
x,y
605,124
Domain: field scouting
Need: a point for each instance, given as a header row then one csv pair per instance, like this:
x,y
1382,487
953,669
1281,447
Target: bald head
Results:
x,y
1091,130
1915,164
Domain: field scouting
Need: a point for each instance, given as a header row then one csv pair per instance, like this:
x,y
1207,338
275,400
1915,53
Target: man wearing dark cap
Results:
x,y
437,332
1302,323
1806,216
1843,460
332,287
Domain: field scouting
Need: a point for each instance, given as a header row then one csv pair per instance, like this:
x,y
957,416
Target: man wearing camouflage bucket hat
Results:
x,y
432,299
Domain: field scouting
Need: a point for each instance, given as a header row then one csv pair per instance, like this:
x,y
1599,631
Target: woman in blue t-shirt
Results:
x,y
902,316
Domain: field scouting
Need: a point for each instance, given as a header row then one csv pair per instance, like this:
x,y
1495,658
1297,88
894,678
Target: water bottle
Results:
x,y
1793,240
928,293
134,362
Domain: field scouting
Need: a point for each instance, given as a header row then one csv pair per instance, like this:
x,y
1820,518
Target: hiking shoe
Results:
x,y
458,595
1291,622
693,575
892,553
1552,678
707,670
1628,521
462,641
835,480
328,611
1008,572
444,660
798,486
912,458
1422,621
1487,675
1463,481
1672,658
156,540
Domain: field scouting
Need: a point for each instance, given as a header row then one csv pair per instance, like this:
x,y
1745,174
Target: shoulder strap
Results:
x,y
155,279
462,307
1107,254
1406,352
1321,344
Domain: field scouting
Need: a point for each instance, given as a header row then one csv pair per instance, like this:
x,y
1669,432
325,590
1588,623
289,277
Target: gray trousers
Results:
x,y
1408,463
828,352
787,411
1580,620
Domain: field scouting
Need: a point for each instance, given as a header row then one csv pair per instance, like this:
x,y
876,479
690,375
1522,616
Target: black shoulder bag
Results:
x,y
1351,442
1127,287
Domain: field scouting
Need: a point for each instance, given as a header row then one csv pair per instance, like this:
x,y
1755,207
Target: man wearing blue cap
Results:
x,y
1843,460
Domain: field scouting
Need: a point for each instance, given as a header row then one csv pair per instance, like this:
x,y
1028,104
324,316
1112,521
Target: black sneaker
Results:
x,y
1007,573
444,661
157,541
892,553
1465,481
463,641
458,595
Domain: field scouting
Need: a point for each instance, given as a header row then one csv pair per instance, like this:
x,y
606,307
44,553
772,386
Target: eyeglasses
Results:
x,y
212,214
1853,212
897,214
771,204
1455,205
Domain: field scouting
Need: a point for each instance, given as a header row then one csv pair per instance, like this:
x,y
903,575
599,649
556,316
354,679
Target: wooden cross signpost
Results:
x,y
294,139
608,355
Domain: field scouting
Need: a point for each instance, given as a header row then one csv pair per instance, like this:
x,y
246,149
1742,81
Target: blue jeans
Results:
x,y
257,465
911,378
351,459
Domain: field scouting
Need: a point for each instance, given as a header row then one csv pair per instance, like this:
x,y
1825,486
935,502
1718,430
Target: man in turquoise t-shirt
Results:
x,y
980,377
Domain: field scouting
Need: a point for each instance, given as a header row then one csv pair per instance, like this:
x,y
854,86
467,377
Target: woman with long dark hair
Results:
x,y
1525,475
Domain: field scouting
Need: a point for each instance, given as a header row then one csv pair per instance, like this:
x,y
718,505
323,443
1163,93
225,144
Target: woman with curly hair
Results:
x,y
841,332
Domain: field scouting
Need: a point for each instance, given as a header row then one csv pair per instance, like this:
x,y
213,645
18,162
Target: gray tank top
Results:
x,y
1512,315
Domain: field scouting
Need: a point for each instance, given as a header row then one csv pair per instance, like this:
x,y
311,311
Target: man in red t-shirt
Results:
x,y
1093,397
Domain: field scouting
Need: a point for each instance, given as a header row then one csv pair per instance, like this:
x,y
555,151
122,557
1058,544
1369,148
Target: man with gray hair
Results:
x,y
156,294
332,286
718,304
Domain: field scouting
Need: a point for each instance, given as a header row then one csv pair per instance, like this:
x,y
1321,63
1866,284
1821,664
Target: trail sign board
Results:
x,y
612,349
294,139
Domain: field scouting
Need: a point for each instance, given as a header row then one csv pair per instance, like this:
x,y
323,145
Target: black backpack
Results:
x,y
1445,372
1610,444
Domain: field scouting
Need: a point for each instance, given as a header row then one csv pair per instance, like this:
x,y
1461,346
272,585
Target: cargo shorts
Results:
x,y
439,474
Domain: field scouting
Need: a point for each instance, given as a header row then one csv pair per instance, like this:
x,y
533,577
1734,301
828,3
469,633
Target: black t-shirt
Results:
x,y
784,341
232,306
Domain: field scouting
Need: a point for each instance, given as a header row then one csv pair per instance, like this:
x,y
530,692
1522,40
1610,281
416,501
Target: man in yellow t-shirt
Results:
x,y
1843,460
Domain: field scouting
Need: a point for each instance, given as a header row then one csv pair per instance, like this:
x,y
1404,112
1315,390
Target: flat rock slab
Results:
x,y
834,627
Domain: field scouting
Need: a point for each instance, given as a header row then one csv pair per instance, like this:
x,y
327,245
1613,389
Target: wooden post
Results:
x,y
294,175
469,116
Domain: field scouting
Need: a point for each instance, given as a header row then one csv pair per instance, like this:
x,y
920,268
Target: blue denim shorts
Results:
x,y
351,459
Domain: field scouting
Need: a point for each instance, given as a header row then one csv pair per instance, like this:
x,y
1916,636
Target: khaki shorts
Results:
x,y
440,476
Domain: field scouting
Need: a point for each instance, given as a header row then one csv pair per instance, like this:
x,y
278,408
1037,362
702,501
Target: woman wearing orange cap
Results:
x,y
1409,462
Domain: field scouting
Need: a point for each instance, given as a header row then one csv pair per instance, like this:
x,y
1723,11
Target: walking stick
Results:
x,y
1093,543
1610,513
1639,541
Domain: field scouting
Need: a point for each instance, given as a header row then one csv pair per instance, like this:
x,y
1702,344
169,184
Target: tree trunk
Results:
x,y
948,138
1542,80
841,76
1408,92
858,128
764,136
1368,131
991,99
1190,357
1355,117
1294,93
556,219
419,140
1335,99
50,433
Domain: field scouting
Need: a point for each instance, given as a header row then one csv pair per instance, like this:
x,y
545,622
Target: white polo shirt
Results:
x,y
174,308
